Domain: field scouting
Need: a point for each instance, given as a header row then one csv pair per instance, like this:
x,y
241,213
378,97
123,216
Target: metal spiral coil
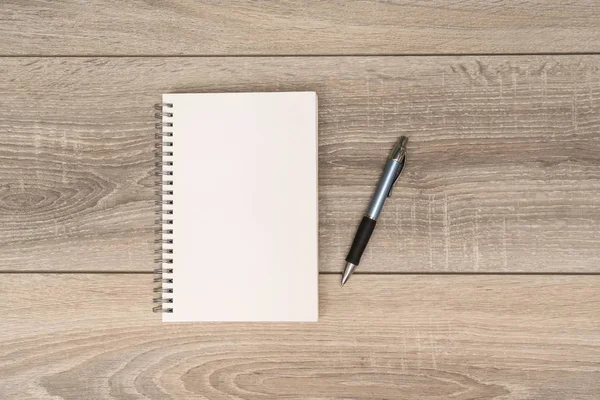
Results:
x,y
163,274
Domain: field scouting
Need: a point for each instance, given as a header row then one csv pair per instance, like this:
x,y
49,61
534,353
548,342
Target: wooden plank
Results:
x,y
91,336
502,176
183,27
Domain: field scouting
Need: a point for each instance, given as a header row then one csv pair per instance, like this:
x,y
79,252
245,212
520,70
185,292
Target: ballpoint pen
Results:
x,y
391,173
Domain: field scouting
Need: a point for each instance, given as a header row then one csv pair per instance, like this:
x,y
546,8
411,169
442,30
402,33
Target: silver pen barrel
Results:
x,y
390,173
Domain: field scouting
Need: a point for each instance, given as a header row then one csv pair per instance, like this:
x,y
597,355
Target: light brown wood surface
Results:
x,y
91,336
503,177
503,167
109,27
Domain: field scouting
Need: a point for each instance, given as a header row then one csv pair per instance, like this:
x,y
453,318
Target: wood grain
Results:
x,y
100,27
502,176
92,336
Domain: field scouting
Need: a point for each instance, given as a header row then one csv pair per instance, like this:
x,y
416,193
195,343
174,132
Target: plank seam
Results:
x,y
297,55
441,273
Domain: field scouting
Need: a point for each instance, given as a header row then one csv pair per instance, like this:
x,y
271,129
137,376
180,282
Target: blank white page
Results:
x,y
245,219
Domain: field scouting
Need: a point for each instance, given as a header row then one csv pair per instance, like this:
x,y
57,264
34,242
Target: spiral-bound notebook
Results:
x,y
239,204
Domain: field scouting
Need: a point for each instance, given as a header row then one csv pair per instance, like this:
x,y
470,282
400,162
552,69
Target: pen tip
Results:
x,y
347,272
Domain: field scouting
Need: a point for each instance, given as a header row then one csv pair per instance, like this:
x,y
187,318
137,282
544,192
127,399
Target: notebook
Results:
x,y
238,198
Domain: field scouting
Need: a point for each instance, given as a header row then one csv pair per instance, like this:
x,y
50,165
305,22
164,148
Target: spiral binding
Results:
x,y
164,252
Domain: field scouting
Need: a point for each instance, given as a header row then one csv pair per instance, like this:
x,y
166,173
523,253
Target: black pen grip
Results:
x,y
363,234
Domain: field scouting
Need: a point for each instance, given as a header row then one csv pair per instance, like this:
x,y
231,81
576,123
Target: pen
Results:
x,y
391,173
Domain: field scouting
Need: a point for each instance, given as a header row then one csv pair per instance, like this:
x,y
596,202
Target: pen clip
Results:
x,y
397,176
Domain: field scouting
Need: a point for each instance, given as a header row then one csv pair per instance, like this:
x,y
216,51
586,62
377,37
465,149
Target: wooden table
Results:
x,y
481,282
